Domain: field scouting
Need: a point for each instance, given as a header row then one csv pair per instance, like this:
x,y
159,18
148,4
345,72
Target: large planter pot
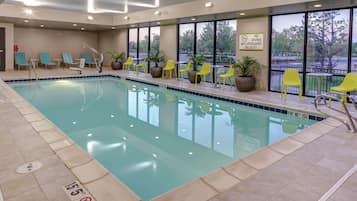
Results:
x,y
245,84
117,65
156,72
192,76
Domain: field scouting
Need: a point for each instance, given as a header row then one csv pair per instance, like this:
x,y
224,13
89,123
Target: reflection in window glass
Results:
x,y
327,47
204,37
226,42
184,126
287,49
154,109
354,42
143,106
143,42
132,103
133,46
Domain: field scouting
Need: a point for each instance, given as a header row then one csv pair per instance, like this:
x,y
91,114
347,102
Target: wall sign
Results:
x,y
251,41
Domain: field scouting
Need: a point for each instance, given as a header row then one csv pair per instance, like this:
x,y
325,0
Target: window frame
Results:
x,y
138,40
215,22
304,72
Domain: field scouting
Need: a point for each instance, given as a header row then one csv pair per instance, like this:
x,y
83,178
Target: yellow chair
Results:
x,y
185,70
140,66
291,79
349,84
170,66
205,70
227,75
128,63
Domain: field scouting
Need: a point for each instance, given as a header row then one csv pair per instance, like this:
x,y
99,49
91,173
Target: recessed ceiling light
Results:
x,y
242,14
158,23
193,19
75,25
208,4
28,11
318,5
31,3
83,29
42,25
90,17
26,21
157,12
133,25
114,28
126,17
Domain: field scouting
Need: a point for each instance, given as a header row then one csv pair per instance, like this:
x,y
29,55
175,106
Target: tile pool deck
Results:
x,y
301,167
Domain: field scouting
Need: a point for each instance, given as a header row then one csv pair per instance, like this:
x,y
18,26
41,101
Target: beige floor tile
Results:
x,y
89,172
240,170
286,146
42,125
306,136
57,146
18,186
109,188
74,156
220,180
51,136
52,174
196,190
34,117
33,195
262,158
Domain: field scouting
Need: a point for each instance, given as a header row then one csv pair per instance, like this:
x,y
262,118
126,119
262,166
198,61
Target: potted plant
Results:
x,y
246,68
118,60
196,60
155,57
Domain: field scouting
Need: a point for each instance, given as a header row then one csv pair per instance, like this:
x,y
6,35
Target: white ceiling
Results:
x,y
100,6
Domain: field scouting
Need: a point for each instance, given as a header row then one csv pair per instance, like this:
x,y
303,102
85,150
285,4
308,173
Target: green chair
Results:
x,y
185,70
20,60
228,75
88,59
205,70
291,78
349,84
45,59
68,60
170,66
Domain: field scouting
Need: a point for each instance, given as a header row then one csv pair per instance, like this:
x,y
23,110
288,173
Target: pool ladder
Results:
x,y
32,69
350,122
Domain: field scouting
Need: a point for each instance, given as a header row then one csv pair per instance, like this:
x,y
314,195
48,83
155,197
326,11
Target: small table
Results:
x,y
319,77
215,73
58,62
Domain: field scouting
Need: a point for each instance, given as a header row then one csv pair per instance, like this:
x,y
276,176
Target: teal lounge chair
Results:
x,y
20,60
88,59
45,59
68,60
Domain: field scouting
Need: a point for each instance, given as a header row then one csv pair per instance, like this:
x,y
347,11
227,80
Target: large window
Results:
x,y
287,51
216,40
322,45
141,41
133,43
226,34
186,41
205,40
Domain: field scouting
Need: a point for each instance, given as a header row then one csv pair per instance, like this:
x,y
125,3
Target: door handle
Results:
x,y
1,51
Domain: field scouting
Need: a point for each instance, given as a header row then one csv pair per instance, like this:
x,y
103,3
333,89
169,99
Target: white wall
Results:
x,y
33,41
9,51
168,41
257,25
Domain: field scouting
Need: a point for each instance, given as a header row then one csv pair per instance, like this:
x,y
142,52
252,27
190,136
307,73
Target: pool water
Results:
x,y
154,139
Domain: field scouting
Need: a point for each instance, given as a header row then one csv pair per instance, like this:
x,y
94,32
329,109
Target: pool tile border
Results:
x,y
241,170
216,97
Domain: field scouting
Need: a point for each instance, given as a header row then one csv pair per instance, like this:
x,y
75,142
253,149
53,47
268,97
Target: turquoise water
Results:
x,y
154,139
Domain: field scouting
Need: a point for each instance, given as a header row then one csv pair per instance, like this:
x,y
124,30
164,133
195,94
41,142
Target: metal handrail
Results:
x,y
351,125
32,68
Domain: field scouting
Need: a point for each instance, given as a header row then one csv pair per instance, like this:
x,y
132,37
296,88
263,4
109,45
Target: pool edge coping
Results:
x,y
250,162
